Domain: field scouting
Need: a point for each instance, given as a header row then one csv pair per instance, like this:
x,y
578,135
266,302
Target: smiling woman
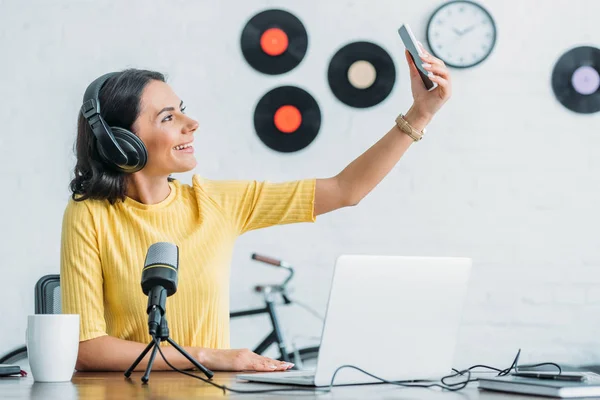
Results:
x,y
117,211
167,132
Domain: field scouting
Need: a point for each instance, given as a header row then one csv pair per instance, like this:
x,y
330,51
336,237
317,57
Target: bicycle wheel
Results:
x,y
305,358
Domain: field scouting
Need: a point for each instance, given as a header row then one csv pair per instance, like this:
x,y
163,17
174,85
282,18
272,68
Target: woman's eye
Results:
x,y
170,116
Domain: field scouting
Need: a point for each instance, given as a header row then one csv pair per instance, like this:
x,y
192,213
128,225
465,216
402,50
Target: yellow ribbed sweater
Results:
x,y
103,248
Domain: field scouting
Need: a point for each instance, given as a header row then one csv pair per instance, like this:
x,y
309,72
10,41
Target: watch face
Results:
x,y
461,33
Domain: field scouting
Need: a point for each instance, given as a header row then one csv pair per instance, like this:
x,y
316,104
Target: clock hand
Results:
x,y
459,33
469,29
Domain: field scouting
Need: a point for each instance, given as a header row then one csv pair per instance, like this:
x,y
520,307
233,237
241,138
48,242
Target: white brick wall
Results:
x,y
506,175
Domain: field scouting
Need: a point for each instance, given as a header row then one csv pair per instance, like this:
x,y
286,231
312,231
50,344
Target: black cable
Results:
x,y
473,367
447,386
224,388
453,387
514,365
539,365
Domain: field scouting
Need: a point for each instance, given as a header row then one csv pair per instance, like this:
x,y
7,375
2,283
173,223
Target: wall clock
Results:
x,y
462,33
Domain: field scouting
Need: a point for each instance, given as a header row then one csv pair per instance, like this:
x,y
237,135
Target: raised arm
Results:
x,y
361,176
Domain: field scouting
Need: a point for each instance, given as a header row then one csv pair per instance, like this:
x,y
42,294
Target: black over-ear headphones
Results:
x,y
118,147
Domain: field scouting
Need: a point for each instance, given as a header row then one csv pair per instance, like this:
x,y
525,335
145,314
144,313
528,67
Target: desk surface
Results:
x,y
172,385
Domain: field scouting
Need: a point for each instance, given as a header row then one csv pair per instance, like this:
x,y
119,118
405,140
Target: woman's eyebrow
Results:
x,y
169,109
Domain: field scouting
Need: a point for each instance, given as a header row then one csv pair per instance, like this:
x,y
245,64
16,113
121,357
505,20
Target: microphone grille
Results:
x,y
163,253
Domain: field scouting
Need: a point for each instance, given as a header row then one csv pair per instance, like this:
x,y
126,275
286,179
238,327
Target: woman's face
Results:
x,y
164,128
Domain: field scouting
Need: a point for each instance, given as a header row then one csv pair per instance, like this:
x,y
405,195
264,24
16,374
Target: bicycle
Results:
x,y
302,358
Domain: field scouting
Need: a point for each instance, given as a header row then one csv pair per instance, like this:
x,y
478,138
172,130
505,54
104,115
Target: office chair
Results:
x,y
47,301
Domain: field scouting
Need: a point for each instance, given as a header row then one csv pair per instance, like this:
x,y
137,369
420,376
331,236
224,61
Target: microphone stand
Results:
x,y
162,334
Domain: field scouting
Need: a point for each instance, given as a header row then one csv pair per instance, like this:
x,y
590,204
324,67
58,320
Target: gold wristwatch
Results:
x,y
405,127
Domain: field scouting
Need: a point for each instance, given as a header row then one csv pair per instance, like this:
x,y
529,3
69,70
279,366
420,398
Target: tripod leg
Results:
x,y
201,367
146,375
137,361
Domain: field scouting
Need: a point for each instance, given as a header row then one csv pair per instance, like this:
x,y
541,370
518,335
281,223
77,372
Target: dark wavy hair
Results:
x,y
119,106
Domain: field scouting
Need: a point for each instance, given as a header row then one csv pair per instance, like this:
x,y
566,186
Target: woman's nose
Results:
x,y
192,125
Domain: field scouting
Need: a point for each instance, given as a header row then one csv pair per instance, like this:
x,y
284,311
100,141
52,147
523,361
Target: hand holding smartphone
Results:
x,y
415,52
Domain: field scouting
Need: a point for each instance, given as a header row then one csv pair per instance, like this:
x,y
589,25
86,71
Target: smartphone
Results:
x,y
415,53
565,376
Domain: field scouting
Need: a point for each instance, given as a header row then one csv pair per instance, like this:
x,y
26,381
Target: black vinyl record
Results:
x,y
274,42
287,119
576,80
361,74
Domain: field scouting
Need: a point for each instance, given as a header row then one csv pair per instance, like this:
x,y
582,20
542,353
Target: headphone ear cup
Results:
x,y
133,147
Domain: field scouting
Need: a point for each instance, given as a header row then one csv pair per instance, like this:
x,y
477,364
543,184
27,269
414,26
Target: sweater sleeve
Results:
x,y
253,205
81,279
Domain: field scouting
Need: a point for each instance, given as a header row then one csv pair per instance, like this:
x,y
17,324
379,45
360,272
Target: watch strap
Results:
x,y
405,127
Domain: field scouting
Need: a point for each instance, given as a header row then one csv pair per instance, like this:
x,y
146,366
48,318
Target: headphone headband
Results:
x,y
91,102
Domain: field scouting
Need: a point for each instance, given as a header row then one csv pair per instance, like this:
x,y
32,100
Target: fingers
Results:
x,y
429,58
444,85
265,364
437,70
441,74
247,360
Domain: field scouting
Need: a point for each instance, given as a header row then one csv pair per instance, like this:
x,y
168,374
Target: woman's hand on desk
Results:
x,y
107,353
239,360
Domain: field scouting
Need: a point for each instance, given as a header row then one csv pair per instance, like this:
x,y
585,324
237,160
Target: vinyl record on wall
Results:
x,y
274,42
576,80
361,74
287,119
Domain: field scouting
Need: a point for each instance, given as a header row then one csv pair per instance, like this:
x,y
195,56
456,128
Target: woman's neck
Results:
x,y
148,189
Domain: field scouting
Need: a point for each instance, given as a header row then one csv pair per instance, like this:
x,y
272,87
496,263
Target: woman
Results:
x,y
113,218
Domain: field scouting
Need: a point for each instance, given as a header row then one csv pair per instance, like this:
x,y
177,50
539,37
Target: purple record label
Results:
x,y
585,80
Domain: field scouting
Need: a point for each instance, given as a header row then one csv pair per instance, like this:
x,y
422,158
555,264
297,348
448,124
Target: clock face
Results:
x,y
461,33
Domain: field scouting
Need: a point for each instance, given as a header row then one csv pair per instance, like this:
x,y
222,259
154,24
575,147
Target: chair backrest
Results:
x,y
47,301
47,295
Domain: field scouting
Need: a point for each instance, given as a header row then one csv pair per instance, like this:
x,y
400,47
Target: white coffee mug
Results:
x,y
52,346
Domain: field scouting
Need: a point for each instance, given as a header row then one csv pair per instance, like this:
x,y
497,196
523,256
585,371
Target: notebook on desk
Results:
x,y
590,387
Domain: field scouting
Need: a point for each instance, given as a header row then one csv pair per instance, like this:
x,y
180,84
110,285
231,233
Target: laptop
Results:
x,y
395,317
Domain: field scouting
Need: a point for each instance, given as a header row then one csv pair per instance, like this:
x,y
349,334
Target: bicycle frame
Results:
x,y
276,335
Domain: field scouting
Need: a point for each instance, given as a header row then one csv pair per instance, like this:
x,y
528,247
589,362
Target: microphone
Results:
x,y
159,280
